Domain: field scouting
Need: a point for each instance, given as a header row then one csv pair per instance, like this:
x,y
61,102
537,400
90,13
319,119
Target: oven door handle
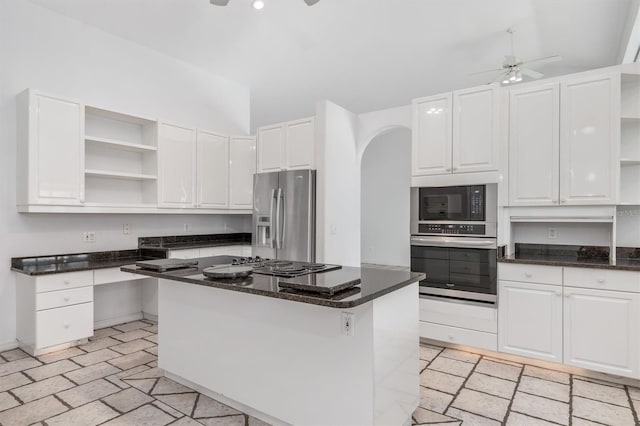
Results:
x,y
457,243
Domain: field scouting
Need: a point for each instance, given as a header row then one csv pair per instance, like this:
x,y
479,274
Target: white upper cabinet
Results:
x,y
475,129
50,150
456,132
534,145
602,331
590,135
431,138
299,138
212,170
176,166
242,166
286,146
270,147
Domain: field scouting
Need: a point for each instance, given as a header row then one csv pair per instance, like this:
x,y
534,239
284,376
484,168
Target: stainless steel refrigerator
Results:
x,y
284,215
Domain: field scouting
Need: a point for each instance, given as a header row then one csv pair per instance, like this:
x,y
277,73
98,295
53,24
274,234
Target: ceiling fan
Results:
x,y
513,68
258,4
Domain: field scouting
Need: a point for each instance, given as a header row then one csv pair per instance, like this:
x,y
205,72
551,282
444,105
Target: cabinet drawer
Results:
x,y
62,325
473,317
530,273
63,281
60,298
602,279
460,336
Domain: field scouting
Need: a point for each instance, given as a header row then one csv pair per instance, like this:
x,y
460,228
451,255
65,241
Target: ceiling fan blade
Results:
x,y
542,61
531,73
486,71
219,2
311,2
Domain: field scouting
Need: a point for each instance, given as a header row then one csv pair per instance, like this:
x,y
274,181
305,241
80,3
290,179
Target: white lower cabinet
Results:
x,y
530,320
61,325
602,330
587,318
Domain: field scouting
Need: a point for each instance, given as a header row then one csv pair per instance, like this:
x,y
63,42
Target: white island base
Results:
x,y
289,362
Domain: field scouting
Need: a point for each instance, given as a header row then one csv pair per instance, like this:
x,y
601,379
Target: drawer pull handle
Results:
x,y
558,294
67,282
66,299
567,295
528,274
66,326
601,280
451,337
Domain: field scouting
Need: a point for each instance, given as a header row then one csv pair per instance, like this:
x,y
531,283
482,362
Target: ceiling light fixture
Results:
x,y
257,4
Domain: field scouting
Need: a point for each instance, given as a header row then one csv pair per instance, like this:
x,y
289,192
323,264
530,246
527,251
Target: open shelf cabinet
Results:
x,y
629,139
121,162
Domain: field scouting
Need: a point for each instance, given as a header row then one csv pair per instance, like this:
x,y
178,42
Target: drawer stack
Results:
x,y
54,309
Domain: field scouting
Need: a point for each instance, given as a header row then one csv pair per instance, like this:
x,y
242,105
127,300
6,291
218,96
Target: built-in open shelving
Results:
x,y
629,139
121,162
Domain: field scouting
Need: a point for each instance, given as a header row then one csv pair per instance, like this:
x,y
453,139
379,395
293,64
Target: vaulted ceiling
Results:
x,y
362,54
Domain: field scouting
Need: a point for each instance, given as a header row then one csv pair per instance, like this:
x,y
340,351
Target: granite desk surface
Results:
x,y
374,282
59,263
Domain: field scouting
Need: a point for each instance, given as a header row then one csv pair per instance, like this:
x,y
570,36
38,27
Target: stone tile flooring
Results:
x,y
114,380
460,387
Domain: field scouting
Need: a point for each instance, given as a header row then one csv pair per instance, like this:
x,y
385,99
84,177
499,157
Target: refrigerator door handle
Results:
x,y
284,219
273,236
278,210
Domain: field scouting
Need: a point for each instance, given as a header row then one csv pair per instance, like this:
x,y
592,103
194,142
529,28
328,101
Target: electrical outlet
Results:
x,y
187,227
348,320
126,230
89,237
552,233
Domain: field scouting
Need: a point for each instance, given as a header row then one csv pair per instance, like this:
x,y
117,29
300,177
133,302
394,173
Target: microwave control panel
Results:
x,y
451,229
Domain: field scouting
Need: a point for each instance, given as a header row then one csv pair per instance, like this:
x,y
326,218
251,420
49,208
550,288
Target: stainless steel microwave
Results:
x,y
469,210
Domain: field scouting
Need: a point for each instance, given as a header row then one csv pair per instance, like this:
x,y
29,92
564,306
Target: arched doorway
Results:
x,y
384,199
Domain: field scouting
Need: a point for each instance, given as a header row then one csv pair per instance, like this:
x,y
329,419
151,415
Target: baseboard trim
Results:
x,y
225,400
7,346
150,317
118,320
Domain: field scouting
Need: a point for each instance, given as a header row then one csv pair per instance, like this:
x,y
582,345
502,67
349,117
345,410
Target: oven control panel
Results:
x,y
451,229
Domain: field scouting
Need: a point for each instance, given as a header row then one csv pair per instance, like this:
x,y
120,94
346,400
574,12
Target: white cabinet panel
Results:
x,y
534,145
431,138
590,134
50,150
475,129
601,331
212,170
62,325
270,146
176,166
299,139
242,166
64,281
530,320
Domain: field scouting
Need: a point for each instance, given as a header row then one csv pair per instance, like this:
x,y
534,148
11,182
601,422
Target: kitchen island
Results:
x,y
284,355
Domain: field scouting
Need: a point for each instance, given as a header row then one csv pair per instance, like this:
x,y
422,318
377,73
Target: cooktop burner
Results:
x,y
292,269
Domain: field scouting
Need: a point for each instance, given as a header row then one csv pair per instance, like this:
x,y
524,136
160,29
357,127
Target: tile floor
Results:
x,y
114,380
464,388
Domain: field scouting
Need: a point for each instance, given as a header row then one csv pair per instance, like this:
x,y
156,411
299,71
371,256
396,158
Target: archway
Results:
x,y
385,198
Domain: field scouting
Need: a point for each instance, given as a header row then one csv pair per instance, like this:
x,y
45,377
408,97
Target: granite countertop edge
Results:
x,y
415,277
573,264
91,267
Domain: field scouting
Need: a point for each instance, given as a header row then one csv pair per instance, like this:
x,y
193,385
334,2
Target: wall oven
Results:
x,y
453,241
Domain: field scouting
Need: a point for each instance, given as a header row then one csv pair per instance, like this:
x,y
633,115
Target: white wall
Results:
x,y
385,199
338,186
46,51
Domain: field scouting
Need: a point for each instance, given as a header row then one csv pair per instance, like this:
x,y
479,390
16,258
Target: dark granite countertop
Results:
x,y
628,259
183,242
59,263
374,282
